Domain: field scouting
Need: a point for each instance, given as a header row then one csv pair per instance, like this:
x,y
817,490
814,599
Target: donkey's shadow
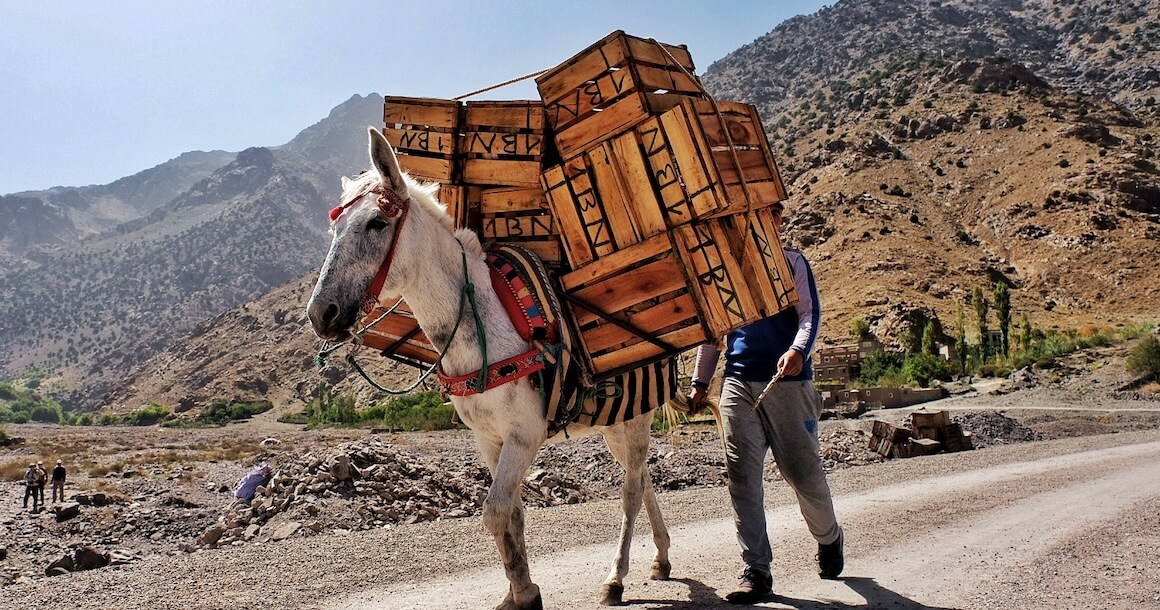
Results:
x,y
877,596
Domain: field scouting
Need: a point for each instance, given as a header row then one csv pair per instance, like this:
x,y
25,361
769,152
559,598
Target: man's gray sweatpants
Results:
x,y
787,424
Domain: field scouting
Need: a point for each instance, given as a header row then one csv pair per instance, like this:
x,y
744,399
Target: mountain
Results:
x,y
115,299
935,146
60,215
928,148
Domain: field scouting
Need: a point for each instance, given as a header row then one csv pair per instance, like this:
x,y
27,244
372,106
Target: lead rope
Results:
x,y
465,296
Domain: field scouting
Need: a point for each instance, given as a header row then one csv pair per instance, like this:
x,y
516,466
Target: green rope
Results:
x,y
465,296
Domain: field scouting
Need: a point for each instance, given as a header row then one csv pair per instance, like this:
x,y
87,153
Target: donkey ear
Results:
x,y
385,163
346,182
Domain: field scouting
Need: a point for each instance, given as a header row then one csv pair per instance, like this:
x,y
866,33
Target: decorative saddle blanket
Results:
x,y
522,283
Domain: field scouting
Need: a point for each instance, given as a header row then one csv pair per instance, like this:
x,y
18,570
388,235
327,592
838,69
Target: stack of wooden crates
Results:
x,y
650,200
930,432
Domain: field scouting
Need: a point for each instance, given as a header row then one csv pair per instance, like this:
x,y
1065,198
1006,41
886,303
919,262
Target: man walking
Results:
x,y
58,475
41,480
30,487
786,423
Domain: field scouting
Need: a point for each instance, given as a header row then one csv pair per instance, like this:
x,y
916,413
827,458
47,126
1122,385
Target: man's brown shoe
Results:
x,y
755,586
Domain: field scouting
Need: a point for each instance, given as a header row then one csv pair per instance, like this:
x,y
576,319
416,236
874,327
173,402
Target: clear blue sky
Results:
x,y
94,91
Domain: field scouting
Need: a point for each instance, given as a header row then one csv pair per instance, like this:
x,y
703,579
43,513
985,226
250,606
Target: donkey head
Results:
x,y
365,229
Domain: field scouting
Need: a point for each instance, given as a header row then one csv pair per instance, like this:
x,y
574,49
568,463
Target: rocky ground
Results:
x,y
139,493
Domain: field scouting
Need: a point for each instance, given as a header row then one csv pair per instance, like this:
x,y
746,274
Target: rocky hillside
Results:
x,y
116,299
1109,49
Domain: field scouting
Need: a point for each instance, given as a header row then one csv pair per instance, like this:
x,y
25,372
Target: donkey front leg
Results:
x,y
503,516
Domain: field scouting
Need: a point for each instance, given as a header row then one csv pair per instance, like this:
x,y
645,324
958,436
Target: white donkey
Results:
x,y
392,238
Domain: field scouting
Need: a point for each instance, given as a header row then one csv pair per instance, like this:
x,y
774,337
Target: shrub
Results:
x,y
1144,359
924,368
883,368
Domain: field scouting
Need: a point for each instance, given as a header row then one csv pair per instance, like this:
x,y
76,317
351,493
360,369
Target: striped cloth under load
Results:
x,y
570,396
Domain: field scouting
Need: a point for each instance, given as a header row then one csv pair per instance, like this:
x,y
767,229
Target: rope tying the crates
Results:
x,y
720,119
498,85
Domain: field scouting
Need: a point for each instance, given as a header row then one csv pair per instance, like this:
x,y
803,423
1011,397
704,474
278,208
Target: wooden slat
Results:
x,y
575,72
666,314
431,168
591,211
501,172
517,226
502,200
428,112
455,199
503,144
568,221
629,287
418,140
752,164
644,351
616,204
666,176
524,115
693,162
548,249
742,125
653,78
637,182
645,50
615,262
763,260
611,121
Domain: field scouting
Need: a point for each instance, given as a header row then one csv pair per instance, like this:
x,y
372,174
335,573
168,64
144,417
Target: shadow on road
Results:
x,y
876,596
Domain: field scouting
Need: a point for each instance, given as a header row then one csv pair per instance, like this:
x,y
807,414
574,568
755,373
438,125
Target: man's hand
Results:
x,y
790,363
696,399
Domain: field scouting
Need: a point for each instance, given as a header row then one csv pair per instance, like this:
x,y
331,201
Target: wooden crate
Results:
x,y
666,171
763,260
741,157
503,143
718,279
643,286
521,216
597,211
398,335
613,69
425,134
929,419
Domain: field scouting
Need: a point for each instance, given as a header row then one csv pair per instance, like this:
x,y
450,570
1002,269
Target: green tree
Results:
x,y
1003,311
1144,359
859,328
910,341
961,338
981,305
923,368
1025,333
929,346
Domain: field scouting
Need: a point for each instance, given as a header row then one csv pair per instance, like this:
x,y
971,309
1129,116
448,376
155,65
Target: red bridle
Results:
x,y
392,206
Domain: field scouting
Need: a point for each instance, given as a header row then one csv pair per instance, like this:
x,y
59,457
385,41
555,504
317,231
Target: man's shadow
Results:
x,y
876,596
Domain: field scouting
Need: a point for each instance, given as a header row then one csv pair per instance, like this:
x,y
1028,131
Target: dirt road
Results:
x,y
1069,523
1057,530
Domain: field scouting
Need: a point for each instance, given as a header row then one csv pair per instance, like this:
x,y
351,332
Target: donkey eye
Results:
x,y
376,224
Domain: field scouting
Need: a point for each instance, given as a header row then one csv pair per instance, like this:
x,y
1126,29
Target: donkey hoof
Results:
x,y
509,603
661,570
612,594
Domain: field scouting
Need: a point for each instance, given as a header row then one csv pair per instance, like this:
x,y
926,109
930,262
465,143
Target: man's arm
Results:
x,y
809,313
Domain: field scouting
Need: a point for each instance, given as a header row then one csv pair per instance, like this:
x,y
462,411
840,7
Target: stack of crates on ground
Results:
x,y
650,200
930,432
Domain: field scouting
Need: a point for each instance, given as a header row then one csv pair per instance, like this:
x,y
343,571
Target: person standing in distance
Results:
x,y
786,423
58,475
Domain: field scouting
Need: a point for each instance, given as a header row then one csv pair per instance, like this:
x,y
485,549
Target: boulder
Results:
x,y
64,512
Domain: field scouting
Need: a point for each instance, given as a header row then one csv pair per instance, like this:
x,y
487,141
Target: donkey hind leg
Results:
x,y
629,444
503,516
